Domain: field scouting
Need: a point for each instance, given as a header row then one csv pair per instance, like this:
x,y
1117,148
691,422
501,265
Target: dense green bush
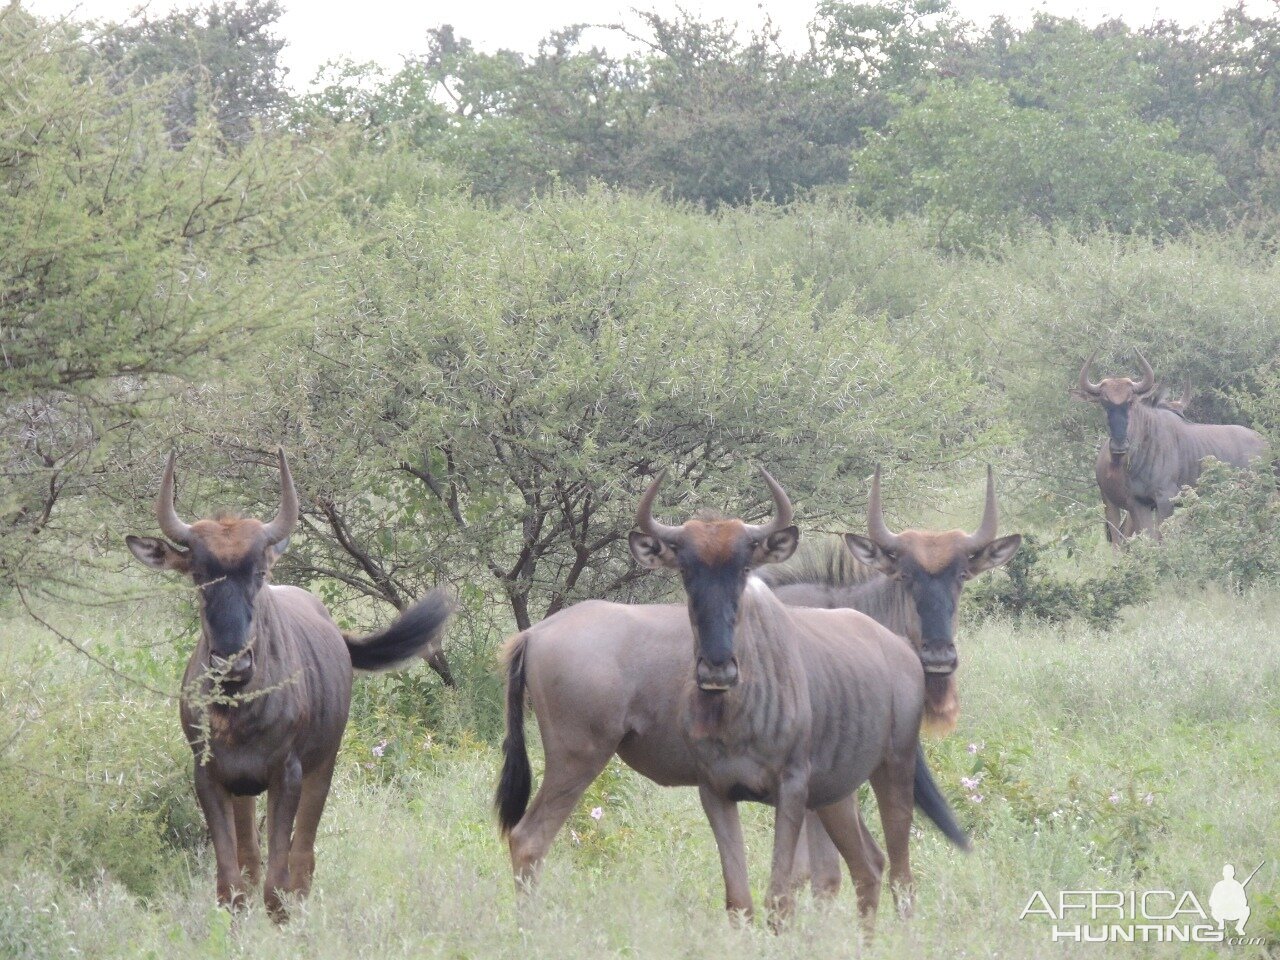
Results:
x,y
1032,585
1225,530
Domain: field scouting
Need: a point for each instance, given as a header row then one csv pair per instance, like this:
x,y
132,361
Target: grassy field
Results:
x,y
1141,758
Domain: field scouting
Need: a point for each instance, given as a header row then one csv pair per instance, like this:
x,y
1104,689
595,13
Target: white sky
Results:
x,y
384,30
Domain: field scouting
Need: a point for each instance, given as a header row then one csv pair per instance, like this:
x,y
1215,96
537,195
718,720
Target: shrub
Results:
x,y
1028,587
1226,529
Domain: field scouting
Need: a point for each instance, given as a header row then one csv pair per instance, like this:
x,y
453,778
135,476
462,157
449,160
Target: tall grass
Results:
x,y
1141,757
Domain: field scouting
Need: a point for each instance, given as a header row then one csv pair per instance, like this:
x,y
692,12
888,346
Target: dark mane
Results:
x,y
824,561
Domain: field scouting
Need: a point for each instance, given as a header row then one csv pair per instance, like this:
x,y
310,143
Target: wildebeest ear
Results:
x,y
1077,394
776,547
276,550
865,550
158,554
651,552
994,554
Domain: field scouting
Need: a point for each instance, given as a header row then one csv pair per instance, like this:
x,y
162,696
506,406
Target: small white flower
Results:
x,y
597,813
975,797
379,748
1115,796
1149,799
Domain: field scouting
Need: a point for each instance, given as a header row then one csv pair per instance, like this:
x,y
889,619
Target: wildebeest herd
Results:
x,y
785,684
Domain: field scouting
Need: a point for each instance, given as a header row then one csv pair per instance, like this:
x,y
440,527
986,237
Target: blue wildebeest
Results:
x,y
733,692
910,582
1156,449
1113,482
267,690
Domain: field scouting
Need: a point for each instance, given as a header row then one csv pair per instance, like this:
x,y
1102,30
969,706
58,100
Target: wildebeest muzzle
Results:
x,y
236,669
940,658
716,678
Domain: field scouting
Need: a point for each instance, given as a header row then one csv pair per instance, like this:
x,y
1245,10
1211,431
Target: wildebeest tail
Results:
x,y
930,799
516,780
417,629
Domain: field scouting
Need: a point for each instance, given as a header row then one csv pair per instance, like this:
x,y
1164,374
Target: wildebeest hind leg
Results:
x,y
727,827
302,849
567,777
248,849
283,795
894,783
824,858
843,823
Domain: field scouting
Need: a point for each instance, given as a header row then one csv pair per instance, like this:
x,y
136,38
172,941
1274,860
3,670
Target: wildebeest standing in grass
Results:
x,y
910,582
734,692
267,690
1157,449
1113,481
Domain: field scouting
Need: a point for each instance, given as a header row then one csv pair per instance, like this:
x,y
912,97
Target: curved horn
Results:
x,y
1148,375
287,518
644,513
880,533
1087,386
782,512
166,514
986,531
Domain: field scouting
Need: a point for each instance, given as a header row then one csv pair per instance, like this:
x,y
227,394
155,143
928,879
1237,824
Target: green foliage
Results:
x,y
1029,586
128,264
979,166
1120,826
93,790
1225,530
534,367
222,53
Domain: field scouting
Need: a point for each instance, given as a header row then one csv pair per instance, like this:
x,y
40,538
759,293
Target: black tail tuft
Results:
x,y
930,799
409,637
516,780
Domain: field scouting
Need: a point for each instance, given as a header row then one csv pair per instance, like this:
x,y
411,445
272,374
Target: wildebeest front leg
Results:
x,y
793,794
248,849
894,786
722,814
283,795
216,803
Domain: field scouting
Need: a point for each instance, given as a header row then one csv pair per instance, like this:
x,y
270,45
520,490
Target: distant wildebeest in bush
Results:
x,y
1113,482
734,692
268,688
910,582
1155,448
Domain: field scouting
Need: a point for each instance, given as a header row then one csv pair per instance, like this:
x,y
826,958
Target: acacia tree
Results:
x,y
487,391
128,266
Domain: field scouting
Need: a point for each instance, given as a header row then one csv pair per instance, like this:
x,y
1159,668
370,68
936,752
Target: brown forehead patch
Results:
x,y
934,551
714,541
1116,390
229,540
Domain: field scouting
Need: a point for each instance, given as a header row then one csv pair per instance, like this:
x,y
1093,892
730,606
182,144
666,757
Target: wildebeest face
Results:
x,y
933,566
1117,395
229,560
714,559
